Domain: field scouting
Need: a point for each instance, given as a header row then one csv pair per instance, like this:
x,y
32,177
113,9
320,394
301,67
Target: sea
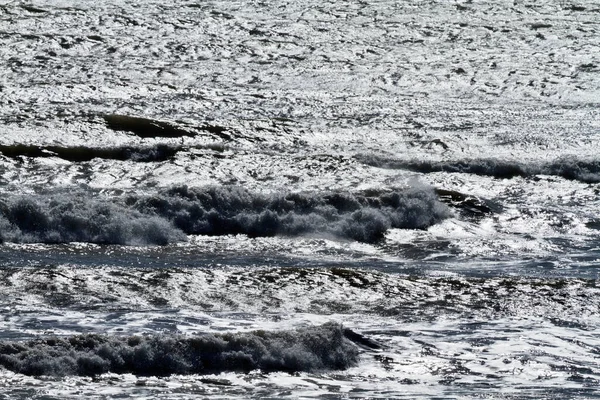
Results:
x,y
309,199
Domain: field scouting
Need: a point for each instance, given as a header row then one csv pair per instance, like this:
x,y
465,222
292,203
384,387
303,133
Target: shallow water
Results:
x,y
371,200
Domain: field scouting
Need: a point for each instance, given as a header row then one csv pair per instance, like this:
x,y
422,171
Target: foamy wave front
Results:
x,y
323,347
167,216
566,167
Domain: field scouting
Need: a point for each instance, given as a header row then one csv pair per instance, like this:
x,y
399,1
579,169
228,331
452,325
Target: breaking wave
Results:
x,y
170,214
323,347
79,218
233,210
568,168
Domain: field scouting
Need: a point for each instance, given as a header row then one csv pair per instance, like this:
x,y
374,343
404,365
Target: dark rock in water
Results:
x,y
317,348
218,382
145,127
593,224
361,340
469,205
33,9
152,128
540,25
160,152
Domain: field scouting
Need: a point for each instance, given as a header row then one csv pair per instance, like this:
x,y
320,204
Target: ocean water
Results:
x,y
299,199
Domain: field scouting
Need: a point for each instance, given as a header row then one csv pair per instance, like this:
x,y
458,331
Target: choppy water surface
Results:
x,y
299,199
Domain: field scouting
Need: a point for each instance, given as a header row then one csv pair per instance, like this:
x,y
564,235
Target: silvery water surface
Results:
x,y
299,199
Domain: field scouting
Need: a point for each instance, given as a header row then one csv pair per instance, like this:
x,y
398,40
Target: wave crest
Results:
x,y
170,214
233,210
323,347
566,167
68,218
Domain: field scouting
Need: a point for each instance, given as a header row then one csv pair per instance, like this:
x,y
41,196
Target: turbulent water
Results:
x,y
299,199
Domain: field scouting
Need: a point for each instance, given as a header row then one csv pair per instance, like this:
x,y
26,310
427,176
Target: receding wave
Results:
x,y
323,347
170,214
280,291
567,167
